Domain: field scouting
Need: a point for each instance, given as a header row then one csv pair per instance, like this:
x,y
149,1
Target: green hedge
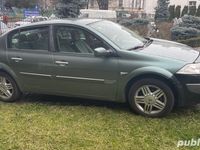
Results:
x,y
134,22
183,33
193,42
190,22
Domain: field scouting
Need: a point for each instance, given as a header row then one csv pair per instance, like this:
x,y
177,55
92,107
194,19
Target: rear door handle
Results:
x,y
62,63
16,59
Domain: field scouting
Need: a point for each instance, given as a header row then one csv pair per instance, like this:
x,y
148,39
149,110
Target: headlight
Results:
x,y
190,69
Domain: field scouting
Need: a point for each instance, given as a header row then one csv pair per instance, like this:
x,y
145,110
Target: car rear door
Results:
x,y
29,57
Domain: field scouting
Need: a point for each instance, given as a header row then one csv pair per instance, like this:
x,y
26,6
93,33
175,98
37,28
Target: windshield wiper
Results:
x,y
136,47
146,43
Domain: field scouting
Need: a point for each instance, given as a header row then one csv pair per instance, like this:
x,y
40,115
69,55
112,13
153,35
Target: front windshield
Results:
x,y
121,36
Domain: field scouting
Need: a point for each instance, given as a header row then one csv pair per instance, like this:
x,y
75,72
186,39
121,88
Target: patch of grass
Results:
x,y
56,123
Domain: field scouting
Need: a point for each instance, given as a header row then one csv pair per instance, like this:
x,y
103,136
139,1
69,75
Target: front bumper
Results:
x,y
194,88
189,89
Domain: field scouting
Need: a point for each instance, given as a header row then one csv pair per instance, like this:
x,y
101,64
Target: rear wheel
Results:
x,y
151,97
9,91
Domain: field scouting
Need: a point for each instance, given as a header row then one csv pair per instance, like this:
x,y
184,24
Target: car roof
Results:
x,y
81,22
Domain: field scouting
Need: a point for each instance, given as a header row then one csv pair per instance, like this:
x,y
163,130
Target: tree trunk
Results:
x,y
103,4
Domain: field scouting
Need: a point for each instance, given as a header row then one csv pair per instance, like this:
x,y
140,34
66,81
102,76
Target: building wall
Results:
x,y
183,3
148,6
113,4
48,3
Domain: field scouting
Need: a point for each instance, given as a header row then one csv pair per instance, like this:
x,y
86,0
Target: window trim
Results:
x,y
136,3
27,28
121,3
7,37
192,3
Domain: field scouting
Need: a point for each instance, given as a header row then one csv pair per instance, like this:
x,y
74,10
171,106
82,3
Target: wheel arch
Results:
x,y
168,79
6,69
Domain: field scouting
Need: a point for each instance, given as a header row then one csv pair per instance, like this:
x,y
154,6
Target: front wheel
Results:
x,y
9,91
151,97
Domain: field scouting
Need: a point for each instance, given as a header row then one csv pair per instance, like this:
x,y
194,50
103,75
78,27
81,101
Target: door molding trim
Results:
x,y
35,74
81,78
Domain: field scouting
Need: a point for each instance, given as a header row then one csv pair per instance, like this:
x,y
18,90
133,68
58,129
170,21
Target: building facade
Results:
x,y
183,3
46,4
144,6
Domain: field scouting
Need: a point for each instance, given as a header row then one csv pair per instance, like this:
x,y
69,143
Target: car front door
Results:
x,y
29,57
77,70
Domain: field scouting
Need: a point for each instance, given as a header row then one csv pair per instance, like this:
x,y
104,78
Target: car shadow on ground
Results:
x,y
68,101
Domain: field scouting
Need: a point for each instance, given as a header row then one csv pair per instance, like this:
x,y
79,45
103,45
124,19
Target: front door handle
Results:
x,y
62,63
16,59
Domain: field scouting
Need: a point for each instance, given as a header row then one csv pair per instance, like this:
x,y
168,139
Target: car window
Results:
x,y
30,39
75,40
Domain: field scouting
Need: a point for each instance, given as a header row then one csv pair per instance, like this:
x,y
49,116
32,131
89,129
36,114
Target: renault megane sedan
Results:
x,y
99,60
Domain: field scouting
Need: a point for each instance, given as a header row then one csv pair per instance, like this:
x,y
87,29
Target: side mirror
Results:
x,y
102,52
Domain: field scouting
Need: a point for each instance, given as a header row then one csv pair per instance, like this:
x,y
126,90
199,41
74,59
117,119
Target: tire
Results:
x,y
9,91
151,98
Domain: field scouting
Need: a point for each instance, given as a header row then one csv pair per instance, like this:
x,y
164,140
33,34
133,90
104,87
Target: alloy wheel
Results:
x,y
150,99
6,88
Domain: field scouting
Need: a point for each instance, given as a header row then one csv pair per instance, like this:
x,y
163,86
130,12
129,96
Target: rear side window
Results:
x,y
29,39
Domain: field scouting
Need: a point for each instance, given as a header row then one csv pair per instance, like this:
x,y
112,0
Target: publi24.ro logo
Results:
x,y
188,143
